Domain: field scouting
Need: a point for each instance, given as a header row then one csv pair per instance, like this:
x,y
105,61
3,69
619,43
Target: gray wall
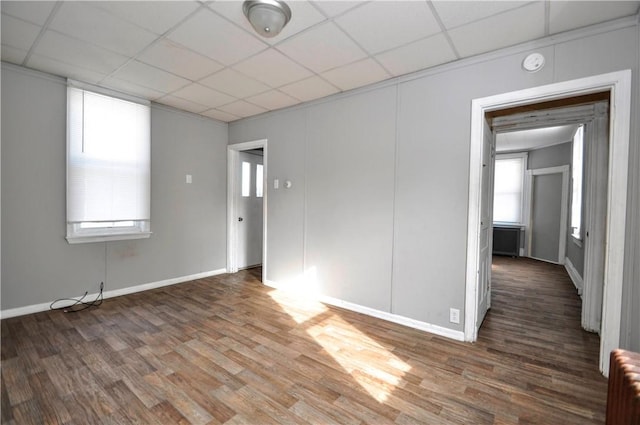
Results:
x,y
551,156
554,156
416,171
388,226
285,156
349,194
546,205
188,221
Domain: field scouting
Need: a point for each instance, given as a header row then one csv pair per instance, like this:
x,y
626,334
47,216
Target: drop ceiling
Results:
x,y
204,57
526,140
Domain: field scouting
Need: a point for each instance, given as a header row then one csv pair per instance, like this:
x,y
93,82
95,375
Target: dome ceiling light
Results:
x,y
267,17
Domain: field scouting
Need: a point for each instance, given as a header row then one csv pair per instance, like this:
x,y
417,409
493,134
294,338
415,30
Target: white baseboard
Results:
x,y
36,308
390,317
574,275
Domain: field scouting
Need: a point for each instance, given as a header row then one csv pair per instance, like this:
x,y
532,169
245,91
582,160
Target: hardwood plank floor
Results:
x,y
229,350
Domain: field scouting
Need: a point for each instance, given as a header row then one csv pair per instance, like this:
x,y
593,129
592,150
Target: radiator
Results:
x,y
623,396
506,240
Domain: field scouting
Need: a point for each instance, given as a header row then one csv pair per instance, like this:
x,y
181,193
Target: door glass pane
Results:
x,y
259,180
246,179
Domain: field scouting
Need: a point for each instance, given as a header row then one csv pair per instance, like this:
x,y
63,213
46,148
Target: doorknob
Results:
x,y
240,219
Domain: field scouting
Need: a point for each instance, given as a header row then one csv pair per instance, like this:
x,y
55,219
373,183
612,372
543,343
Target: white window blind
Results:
x,y
108,166
508,190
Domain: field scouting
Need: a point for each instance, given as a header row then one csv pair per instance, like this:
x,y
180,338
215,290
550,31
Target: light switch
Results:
x,y
189,179
276,183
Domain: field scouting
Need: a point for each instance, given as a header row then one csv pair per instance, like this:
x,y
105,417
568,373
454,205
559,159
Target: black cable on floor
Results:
x,y
79,305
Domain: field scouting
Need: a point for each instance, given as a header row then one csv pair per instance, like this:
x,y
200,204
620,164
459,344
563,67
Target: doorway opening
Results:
x,y
617,85
247,206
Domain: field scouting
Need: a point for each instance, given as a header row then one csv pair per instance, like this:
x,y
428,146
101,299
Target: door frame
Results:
x,y
594,226
618,84
233,158
564,208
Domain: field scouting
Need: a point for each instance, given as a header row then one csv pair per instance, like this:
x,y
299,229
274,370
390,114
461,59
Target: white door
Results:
x,y
249,198
486,226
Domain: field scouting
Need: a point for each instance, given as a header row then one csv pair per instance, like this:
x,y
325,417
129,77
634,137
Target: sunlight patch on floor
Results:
x,y
369,363
301,309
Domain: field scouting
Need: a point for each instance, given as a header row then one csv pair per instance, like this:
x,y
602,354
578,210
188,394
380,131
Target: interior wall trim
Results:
x,y
389,317
619,84
233,160
37,308
574,275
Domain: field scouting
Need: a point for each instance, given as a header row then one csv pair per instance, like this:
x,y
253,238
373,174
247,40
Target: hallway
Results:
x,y
534,320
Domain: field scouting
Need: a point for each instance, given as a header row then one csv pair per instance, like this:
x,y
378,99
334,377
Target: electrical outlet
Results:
x,y
454,315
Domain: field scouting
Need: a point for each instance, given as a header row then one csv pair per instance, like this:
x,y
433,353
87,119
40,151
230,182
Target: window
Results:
x,y
246,179
108,166
508,188
576,184
259,181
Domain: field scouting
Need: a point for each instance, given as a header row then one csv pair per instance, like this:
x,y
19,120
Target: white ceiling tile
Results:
x,y
321,48
36,12
216,47
241,109
383,25
217,38
148,76
94,25
272,68
234,83
220,116
75,52
356,74
333,8
18,33
182,104
131,88
179,60
309,89
567,15
303,15
418,55
155,16
62,69
13,54
203,95
456,13
272,100
509,28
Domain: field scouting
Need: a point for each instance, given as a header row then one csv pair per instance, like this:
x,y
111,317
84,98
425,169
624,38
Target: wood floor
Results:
x,y
229,350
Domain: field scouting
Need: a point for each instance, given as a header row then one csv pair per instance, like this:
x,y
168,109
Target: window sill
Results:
x,y
506,224
107,238
576,241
